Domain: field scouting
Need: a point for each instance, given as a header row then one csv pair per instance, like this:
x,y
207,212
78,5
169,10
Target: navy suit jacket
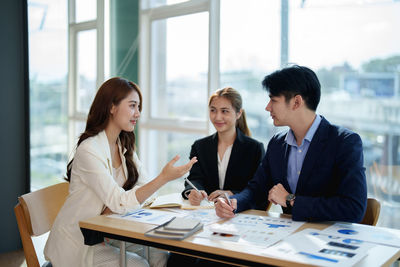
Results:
x,y
332,184
245,158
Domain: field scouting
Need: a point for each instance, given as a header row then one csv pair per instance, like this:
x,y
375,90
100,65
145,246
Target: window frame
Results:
x,y
147,16
74,28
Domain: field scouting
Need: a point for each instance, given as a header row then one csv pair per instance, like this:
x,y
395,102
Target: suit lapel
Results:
x,y
284,161
213,160
237,149
314,151
106,149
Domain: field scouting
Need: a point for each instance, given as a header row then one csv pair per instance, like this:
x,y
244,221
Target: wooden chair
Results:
x,y
372,213
36,212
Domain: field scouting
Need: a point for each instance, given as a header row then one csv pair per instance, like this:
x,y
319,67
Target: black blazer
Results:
x,y
245,157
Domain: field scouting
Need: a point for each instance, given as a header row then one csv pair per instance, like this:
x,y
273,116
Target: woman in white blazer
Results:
x,y
105,175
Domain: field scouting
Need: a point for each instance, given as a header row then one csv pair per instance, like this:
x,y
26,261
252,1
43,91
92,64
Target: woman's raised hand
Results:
x,y
171,172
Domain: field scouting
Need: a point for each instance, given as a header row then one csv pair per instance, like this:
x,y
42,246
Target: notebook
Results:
x,y
182,224
177,228
176,200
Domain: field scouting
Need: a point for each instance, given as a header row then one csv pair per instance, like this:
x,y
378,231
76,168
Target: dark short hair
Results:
x,y
294,80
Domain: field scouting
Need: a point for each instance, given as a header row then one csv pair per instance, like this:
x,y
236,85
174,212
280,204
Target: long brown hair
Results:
x,y
236,100
110,93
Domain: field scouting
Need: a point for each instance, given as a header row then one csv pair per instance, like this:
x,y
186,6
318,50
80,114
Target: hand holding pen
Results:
x,y
196,195
219,193
225,207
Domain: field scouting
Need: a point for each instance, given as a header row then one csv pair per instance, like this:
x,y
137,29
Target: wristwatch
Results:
x,y
289,198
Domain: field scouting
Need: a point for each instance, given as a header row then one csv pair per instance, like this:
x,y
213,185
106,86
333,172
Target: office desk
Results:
x,y
224,251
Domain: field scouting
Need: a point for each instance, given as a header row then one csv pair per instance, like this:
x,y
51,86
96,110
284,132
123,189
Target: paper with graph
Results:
x,y
251,229
150,216
310,246
373,234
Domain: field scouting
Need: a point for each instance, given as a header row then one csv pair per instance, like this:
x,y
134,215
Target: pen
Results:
x,y
192,185
229,201
227,198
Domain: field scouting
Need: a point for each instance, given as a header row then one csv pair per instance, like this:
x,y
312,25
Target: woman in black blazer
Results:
x,y
228,159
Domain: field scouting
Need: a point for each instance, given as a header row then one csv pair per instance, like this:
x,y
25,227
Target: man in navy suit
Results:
x,y
315,169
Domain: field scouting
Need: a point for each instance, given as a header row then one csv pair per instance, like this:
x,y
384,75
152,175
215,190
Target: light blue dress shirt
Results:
x,y
298,153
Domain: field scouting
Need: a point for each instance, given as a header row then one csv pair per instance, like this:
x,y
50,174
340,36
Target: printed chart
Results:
x,y
312,247
252,230
373,234
206,216
151,216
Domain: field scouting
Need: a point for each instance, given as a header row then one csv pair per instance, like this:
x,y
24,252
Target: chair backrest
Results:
x,y
372,213
35,213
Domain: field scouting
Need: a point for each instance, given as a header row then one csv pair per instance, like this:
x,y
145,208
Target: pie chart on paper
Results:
x,y
347,232
352,241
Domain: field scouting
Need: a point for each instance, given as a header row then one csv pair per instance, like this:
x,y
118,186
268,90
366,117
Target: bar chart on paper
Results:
x,y
310,246
252,230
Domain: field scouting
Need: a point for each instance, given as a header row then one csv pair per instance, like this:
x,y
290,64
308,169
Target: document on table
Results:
x,y
150,216
251,230
373,234
312,247
206,216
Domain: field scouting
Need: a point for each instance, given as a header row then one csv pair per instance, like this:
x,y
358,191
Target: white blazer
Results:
x,y
92,188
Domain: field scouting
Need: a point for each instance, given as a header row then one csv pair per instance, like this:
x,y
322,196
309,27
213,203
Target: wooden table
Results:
x,y
222,251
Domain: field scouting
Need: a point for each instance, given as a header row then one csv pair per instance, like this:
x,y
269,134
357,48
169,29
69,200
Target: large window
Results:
x,y
182,46
47,20
188,49
176,55
355,51
66,62
248,55
352,45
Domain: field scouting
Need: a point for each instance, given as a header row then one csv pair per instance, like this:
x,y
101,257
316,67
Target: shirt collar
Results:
x,y
291,140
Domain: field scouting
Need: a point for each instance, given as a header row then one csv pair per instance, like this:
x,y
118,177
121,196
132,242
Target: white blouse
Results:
x,y
223,165
119,175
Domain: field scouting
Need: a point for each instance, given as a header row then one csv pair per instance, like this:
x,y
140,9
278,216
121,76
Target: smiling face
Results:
x,y
279,110
222,115
124,116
